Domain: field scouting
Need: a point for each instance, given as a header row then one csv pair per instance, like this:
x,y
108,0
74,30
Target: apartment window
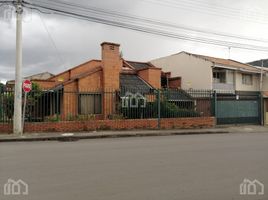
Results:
x,y
90,104
247,79
219,76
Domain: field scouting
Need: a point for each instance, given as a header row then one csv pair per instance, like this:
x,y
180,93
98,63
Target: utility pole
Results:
x,y
17,123
261,81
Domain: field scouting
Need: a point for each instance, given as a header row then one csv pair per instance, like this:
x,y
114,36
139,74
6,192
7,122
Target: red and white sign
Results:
x,y
27,86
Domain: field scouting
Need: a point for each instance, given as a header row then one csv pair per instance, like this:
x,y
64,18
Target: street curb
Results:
x,y
83,137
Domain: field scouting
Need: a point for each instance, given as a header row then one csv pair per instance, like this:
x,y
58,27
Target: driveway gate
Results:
x,y
238,108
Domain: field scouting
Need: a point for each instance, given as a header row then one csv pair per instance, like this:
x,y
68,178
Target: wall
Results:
x,y
111,67
70,101
265,83
174,83
84,68
91,83
111,64
151,76
62,77
78,70
242,87
76,126
187,66
45,84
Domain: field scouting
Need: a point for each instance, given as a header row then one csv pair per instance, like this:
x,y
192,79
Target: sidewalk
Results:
x,y
134,133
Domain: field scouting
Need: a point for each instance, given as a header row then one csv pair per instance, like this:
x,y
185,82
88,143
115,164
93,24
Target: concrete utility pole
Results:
x,y
17,123
261,81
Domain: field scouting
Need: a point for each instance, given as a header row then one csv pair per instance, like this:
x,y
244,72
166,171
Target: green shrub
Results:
x,y
167,110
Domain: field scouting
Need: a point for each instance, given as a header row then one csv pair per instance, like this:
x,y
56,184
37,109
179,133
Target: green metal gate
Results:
x,y
239,108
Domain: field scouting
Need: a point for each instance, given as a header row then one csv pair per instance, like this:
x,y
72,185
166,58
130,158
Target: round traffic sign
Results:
x,y
27,86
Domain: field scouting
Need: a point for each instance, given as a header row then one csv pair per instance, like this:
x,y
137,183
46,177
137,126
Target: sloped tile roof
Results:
x,y
133,83
177,95
139,65
227,62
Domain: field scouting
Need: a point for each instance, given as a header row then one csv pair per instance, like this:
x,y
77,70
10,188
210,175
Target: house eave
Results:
x,y
235,69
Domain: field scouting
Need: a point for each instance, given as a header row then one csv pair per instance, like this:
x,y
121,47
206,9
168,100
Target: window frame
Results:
x,y
219,72
245,80
96,111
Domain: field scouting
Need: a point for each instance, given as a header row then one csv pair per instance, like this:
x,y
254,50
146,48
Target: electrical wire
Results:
x,y
210,11
147,29
211,6
162,34
151,21
59,56
208,8
144,20
4,3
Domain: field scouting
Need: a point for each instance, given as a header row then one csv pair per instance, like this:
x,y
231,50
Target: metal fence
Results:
x,y
60,105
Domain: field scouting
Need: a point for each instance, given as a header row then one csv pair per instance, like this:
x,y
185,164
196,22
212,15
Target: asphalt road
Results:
x,y
193,167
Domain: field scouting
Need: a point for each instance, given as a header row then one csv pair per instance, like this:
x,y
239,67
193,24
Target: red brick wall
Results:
x,y
112,65
70,101
6,128
62,77
45,84
76,126
91,83
151,76
83,68
174,83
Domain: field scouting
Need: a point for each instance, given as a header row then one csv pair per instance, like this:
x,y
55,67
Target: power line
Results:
x,y
205,5
4,3
207,9
52,41
135,28
149,20
147,29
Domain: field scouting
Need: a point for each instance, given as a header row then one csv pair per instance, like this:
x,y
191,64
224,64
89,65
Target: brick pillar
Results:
x,y
112,65
152,76
70,103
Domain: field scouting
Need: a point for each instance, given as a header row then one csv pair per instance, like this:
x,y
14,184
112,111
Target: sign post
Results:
x,y
27,87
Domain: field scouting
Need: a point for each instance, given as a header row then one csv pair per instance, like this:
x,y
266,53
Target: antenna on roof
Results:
x,y
229,51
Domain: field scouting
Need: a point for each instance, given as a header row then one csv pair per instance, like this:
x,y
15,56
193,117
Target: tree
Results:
x,y
2,88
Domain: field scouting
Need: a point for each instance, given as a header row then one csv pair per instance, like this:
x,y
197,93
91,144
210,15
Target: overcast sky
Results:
x,y
78,41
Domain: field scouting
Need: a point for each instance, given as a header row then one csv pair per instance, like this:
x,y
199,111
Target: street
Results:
x,y
189,167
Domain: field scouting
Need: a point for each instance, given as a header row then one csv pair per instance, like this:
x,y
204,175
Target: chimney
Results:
x,y
151,75
112,65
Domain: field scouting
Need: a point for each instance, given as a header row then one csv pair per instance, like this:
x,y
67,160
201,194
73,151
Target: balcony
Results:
x,y
223,86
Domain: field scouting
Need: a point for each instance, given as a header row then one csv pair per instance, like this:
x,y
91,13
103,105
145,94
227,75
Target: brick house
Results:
x,y
90,88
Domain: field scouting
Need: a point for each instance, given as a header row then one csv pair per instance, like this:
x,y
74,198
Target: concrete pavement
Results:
x,y
132,133
186,167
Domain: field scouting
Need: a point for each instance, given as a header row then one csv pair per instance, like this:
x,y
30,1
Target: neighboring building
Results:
x,y
263,66
259,63
39,76
205,72
96,81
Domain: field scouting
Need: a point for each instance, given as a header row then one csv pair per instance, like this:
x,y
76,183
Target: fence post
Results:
x,y
57,103
261,108
159,109
215,104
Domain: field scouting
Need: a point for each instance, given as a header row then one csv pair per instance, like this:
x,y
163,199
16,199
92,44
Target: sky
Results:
x,y
55,43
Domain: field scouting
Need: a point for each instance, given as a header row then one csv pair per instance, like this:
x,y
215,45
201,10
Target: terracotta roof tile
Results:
x,y
227,62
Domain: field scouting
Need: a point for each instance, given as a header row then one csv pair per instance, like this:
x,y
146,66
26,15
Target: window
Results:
x,y
90,104
247,79
219,76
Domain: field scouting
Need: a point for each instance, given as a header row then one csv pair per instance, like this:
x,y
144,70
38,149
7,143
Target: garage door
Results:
x,y
242,111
